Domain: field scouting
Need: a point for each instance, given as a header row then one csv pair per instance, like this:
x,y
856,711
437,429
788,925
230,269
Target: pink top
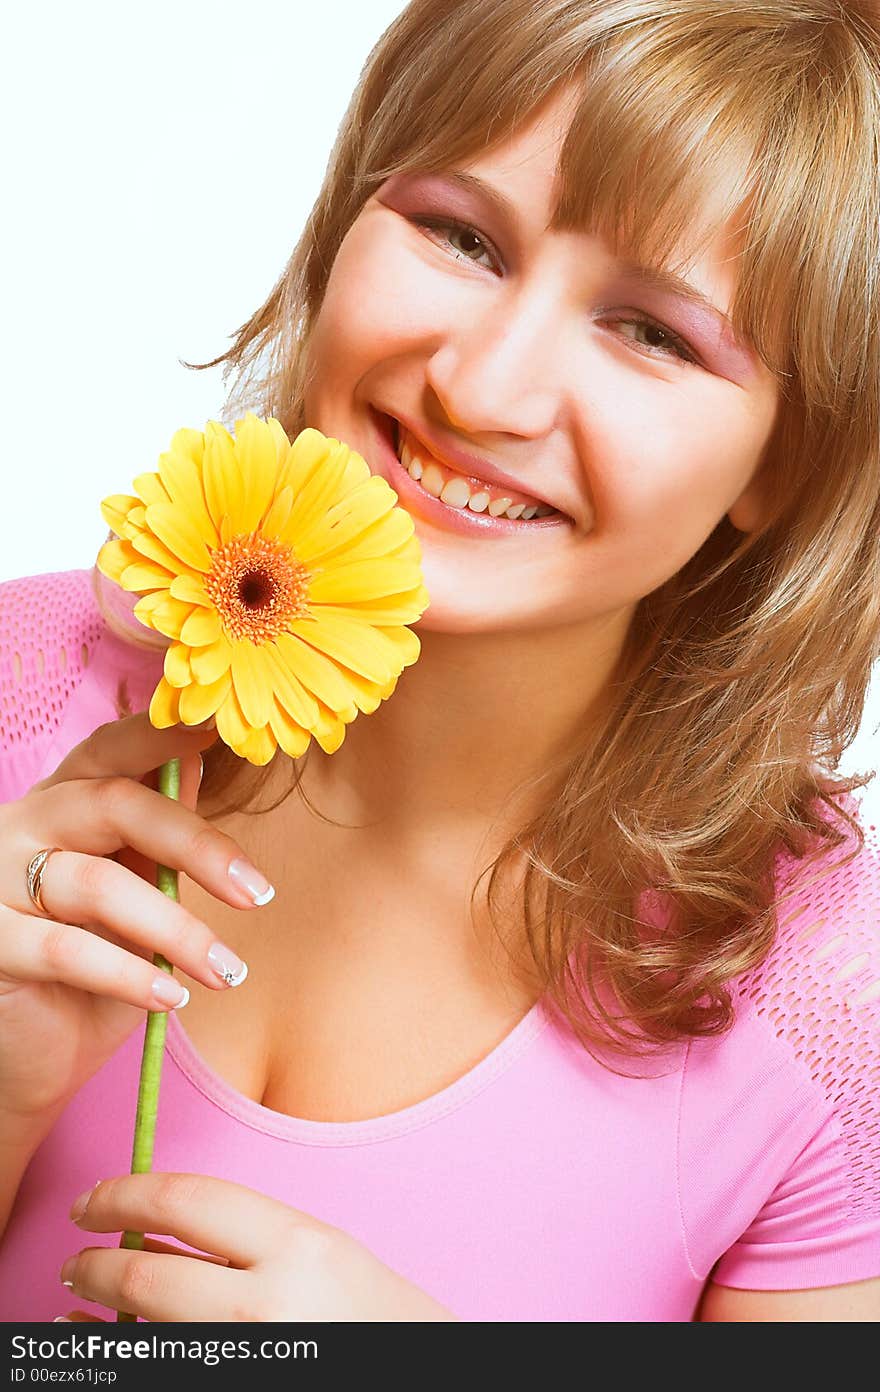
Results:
x,y
539,1186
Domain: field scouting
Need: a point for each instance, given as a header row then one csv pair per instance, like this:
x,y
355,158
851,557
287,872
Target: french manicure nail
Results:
x,y
61,1319
228,967
248,878
167,991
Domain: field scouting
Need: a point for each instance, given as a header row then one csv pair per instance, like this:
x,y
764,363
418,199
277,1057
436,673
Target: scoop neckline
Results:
x,y
340,1133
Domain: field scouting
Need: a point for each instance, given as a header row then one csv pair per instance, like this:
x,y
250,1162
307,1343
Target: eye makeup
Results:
x,y
685,312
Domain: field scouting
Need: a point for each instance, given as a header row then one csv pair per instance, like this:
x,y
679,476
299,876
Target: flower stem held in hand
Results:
x,y
154,1039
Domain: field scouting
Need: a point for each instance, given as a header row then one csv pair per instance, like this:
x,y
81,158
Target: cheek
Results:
x,y
377,300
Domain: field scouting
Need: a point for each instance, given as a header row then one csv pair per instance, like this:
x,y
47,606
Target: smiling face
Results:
x,y
536,361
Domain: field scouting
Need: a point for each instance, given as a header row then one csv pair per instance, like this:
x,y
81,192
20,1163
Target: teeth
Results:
x,y
499,505
432,481
456,492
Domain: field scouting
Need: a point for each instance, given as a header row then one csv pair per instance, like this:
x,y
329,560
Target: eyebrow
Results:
x,y
649,277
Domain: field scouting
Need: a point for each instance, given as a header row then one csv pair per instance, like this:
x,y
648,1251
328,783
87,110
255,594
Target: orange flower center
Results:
x,y
257,587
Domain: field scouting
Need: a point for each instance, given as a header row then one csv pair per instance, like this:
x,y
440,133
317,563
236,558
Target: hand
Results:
x,y
75,981
259,1260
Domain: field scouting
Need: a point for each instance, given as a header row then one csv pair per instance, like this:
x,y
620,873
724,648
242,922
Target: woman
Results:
x,y
618,261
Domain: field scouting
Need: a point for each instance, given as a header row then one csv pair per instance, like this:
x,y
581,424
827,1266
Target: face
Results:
x,y
519,363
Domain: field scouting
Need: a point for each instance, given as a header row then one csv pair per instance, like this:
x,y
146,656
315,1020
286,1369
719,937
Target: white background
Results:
x,y
159,164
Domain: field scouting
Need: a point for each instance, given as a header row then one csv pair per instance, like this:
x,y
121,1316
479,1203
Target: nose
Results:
x,y
501,371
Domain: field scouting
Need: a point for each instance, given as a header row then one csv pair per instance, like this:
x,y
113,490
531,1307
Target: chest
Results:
x,y
362,997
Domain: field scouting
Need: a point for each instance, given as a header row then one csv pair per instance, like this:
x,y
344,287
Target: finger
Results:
x,y
81,891
101,816
152,1244
79,1317
131,747
39,949
160,1286
211,1214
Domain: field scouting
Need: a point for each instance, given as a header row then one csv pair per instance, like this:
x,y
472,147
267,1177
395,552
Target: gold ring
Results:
x,y
36,866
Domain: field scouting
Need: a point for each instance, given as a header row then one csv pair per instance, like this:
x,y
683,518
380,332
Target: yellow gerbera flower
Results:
x,y
283,573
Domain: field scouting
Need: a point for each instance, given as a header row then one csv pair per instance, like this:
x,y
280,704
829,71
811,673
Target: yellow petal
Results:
x,y
177,668
114,558
221,476
383,538
355,645
407,645
257,460
182,478
317,673
164,705
115,510
232,727
145,544
144,575
251,678
307,453
276,518
179,534
405,608
169,615
347,520
366,695
280,437
292,738
260,746
360,580
190,443
324,487
143,610
150,489
198,701
201,628
208,664
329,732
190,589
289,690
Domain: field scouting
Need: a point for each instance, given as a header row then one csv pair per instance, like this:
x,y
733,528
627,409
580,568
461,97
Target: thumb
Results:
x,y
191,770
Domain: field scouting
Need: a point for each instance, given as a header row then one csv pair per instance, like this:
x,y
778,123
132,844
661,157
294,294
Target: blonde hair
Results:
x,y
743,678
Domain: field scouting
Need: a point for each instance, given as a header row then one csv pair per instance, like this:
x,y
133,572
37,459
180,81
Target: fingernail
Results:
x,y
80,1204
68,1269
167,991
201,772
248,878
224,962
61,1319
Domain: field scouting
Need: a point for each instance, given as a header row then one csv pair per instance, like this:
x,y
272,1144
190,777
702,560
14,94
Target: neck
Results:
x,y
472,730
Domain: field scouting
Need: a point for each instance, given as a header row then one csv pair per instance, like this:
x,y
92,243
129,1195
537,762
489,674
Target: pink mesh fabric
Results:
x,y
70,658
49,626
819,990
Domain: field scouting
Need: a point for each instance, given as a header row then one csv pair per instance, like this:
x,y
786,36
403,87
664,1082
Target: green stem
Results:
x,y
154,1041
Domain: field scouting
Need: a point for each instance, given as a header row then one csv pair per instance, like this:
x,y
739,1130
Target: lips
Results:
x,y
476,471
422,504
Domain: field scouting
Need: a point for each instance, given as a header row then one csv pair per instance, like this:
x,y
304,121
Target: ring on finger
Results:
x,y
36,866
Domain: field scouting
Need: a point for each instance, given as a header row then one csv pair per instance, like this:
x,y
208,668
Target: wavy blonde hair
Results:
x,y
744,677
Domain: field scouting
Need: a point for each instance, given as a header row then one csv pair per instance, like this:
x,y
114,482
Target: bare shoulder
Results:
x,y
856,1302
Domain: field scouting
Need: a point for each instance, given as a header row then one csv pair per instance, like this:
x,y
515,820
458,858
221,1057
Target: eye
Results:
x,y
671,342
459,229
